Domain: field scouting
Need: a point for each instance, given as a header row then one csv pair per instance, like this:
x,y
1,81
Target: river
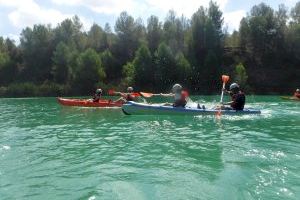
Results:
x,y
52,152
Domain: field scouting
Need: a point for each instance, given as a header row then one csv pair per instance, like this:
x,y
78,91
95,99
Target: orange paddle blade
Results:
x,y
225,78
135,94
145,94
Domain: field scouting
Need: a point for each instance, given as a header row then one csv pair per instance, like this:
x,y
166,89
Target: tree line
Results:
x,y
263,55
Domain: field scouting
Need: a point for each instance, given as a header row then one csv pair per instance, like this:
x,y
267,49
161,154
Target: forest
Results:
x,y
263,55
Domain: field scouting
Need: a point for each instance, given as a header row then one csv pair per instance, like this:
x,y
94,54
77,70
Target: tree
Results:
x,y
69,32
241,75
62,70
165,66
184,70
7,69
9,59
154,33
174,32
211,73
232,40
97,38
37,47
127,41
110,66
216,16
190,51
144,68
197,41
295,13
88,72
128,74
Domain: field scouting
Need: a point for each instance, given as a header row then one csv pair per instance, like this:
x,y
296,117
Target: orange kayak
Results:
x,y
88,103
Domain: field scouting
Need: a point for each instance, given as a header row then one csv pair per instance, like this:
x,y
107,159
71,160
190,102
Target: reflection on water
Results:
x,y
52,152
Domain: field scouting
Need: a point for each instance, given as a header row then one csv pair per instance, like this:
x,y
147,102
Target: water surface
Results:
x,y
52,152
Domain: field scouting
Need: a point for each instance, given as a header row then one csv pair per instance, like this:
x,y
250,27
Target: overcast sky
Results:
x,y
17,14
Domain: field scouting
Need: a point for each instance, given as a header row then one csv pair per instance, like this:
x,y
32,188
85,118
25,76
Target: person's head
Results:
x,y
297,90
176,88
99,91
234,87
130,89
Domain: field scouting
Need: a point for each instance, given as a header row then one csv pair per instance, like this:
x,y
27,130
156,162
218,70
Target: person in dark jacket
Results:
x,y
97,96
238,98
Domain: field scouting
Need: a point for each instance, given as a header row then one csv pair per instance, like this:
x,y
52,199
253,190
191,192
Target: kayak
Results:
x,y
133,108
290,98
88,103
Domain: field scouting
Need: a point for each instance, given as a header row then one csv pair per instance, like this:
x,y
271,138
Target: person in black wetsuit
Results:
x,y
97,95
238,98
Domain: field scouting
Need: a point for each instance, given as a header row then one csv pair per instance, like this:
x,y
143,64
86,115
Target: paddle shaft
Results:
x,y
222,94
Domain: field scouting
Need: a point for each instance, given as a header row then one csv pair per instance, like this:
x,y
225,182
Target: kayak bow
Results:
x,y
290,98
88,103
133,108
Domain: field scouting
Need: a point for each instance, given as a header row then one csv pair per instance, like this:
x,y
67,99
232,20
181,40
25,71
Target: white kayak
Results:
x,y
133,108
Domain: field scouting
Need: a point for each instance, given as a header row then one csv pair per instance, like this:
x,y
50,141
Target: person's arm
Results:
x,y
227,103
226,91
120,94
167,95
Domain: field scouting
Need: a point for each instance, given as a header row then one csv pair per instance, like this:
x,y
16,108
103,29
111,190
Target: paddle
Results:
x,y
225,79
113,92
148,95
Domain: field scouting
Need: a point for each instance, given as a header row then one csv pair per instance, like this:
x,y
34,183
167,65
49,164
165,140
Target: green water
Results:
x,y
52,152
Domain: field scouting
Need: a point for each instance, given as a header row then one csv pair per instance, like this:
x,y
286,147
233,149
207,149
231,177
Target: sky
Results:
x,y
15,15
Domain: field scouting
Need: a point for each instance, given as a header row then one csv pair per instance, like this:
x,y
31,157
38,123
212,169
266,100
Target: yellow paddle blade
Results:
x,y
225,78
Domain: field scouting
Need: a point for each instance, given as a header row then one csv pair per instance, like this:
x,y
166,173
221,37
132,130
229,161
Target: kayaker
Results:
x,y
97,95
126,96
297,94
238,98
180,96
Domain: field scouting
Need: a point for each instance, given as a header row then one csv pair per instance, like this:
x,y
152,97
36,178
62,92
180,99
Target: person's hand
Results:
x,y
224,90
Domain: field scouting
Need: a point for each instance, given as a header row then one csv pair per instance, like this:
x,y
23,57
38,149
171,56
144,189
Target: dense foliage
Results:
x,y
263,55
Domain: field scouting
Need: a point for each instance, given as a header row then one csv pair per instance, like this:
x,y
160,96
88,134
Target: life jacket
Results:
x,y
181,96
130,97
180,99
184,94
238,101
